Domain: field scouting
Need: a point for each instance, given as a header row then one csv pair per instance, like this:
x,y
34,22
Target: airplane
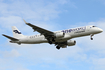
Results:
x,y
61,38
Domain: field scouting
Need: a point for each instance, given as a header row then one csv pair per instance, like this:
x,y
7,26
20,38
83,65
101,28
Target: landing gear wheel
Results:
x,y
91,38
58,47
50,42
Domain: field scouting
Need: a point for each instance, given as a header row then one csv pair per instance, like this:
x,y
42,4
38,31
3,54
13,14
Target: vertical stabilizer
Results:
x,y
16,33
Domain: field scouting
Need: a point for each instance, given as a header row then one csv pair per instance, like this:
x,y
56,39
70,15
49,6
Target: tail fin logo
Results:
x,y
16,31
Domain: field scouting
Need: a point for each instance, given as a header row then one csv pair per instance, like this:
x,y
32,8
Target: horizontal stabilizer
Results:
x,y
13,39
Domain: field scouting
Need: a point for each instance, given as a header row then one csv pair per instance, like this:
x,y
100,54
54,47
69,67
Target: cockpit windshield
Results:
x,y
94,26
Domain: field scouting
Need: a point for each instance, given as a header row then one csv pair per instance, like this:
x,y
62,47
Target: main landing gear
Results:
x,y
58,47
91,36
19,43
50,41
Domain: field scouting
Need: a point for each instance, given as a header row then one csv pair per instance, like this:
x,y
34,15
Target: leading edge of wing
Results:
x,y
39,29
13,39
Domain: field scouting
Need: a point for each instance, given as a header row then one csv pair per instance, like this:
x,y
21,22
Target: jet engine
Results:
x,y
59,35
71,42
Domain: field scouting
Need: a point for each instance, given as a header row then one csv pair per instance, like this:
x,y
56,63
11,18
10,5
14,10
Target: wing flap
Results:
x,y
13,39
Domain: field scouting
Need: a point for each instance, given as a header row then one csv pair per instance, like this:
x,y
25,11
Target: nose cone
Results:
x,y
100,30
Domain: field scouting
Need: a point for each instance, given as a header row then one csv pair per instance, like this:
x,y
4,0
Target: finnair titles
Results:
x,y
61,39
73,30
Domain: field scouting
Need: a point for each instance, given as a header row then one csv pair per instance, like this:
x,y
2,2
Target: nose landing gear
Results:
x,y
91,36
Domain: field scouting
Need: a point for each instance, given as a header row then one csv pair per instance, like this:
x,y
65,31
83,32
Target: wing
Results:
x,y
40,30
13,39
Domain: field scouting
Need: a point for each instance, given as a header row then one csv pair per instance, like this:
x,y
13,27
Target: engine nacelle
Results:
x,y
59,35
71,42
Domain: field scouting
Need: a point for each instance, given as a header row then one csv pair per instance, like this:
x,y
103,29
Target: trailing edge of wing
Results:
x,y
13,39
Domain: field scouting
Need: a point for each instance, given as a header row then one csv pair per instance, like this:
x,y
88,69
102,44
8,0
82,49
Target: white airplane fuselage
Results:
x,y
69,34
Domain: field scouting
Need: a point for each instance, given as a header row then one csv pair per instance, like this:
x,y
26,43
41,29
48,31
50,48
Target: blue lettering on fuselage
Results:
x,y
73,30
16,31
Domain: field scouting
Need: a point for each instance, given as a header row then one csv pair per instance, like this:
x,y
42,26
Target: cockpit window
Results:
x,y
94,26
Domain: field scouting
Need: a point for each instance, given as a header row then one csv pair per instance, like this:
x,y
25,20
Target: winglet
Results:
x,y
25,21
3,34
